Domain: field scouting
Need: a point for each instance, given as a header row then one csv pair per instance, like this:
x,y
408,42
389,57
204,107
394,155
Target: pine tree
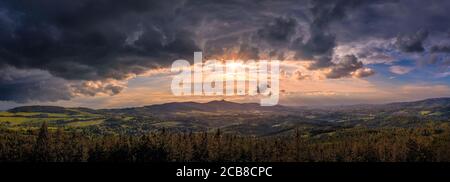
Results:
x,y
42,150
58,149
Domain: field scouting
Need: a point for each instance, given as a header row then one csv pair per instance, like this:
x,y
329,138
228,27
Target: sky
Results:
x,y
114,53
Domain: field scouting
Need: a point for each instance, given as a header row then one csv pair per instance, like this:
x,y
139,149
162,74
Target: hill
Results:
x,y
242,118
212,107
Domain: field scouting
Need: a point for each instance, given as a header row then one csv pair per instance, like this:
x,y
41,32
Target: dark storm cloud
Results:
x,y
440,49
95,40
319,46
412,42
91,40
23,86
81,41
78,43
279,31
349,66
86,40
321,41
38,85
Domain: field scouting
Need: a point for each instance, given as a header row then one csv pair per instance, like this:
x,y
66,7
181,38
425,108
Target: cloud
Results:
x,y
279,31
400,70
321,42
440,49
444,74
89,40
346,66
247,52
369,51
318,47
90,46
363,72
93,88
24,86
412,42
300,76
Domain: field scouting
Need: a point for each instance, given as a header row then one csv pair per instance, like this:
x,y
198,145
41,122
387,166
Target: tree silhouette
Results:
x,y
42,148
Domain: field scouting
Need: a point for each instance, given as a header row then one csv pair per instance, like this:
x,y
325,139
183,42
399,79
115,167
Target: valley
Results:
x,y
229,117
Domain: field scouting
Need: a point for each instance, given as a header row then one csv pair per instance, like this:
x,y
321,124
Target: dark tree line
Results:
x,y
358,144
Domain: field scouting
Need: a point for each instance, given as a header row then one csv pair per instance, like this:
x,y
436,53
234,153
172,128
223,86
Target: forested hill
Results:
x,y
242,118
225,131
222,105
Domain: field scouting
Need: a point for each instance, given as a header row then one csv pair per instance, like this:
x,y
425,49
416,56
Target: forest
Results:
x,y
429,143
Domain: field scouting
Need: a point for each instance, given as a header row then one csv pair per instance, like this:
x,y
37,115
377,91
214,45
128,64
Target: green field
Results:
x,y
85,123
30,120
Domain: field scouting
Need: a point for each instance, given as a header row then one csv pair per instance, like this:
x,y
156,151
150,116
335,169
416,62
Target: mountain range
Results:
x,y
243,118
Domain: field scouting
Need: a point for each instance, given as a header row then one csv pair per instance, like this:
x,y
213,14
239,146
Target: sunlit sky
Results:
x,y
310,90
114,54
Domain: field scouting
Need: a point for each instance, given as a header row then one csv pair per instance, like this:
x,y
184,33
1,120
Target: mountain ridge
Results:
x,y
223,105
231,117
